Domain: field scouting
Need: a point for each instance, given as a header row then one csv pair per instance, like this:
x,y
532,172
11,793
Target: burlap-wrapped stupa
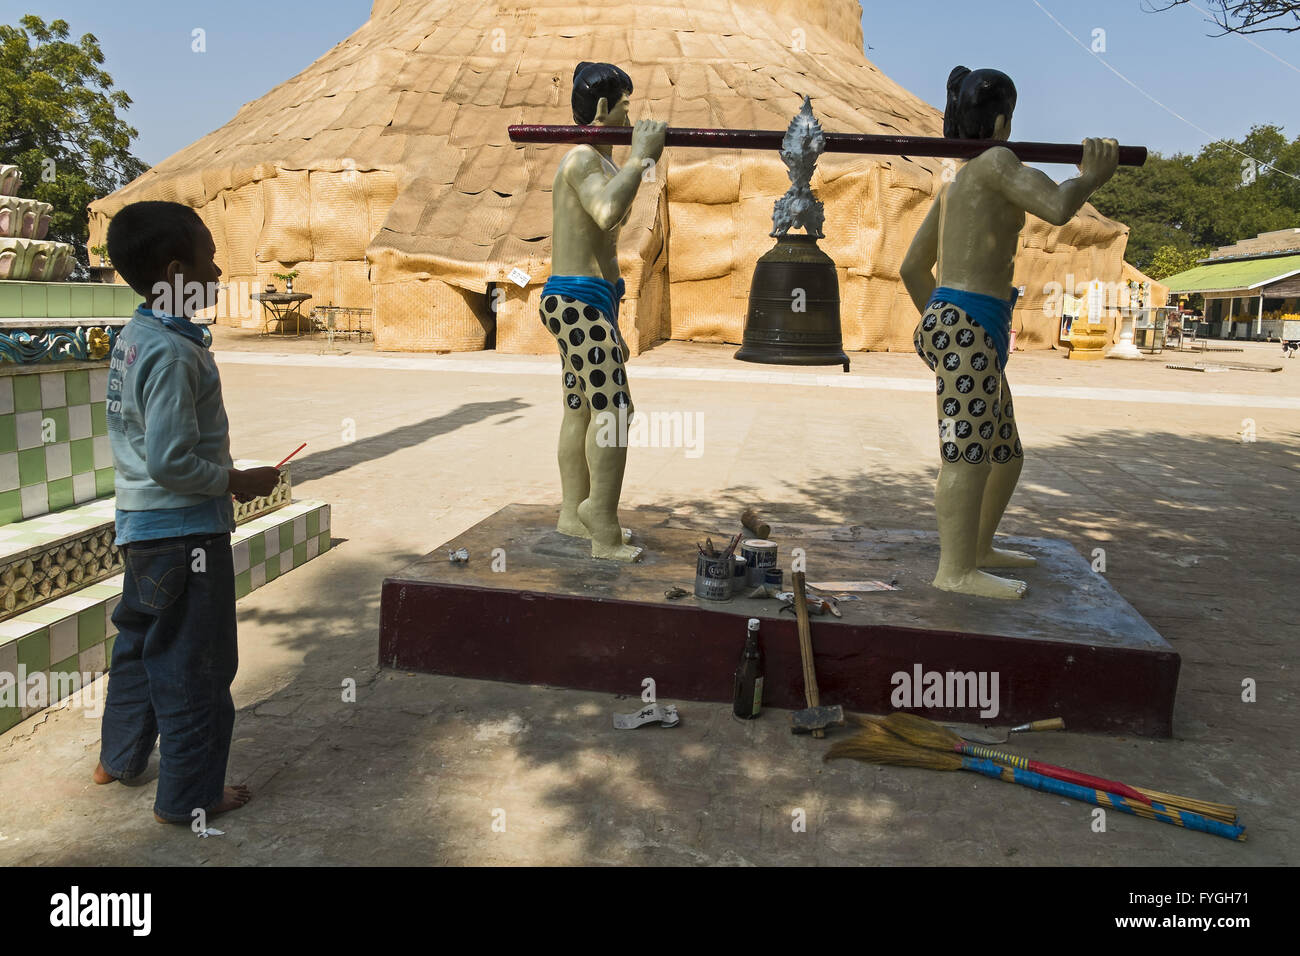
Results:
x,y
383,173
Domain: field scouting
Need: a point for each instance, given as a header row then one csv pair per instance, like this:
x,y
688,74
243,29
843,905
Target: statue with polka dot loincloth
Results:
x,y
970,237
590,202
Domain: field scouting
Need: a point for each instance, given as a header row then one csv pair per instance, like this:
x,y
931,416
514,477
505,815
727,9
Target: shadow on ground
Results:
x,y
420,768
324,464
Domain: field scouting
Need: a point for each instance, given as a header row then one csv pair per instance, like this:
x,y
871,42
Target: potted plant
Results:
x,y
102,252
288,278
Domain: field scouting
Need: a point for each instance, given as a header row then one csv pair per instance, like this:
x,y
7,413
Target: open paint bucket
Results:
x,y
714,577
759,555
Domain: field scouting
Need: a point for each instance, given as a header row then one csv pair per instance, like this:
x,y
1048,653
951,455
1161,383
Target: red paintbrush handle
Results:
x,y
835,142
291,454
1048,770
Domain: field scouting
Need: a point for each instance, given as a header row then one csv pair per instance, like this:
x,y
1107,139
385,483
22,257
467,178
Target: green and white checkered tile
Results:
x,y
69,635
54,554
47,530
274,544
54,449
74,634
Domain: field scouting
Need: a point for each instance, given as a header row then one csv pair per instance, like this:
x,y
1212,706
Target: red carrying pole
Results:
x,y
835,142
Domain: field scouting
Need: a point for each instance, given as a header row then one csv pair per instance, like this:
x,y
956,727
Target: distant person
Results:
x,y
175,654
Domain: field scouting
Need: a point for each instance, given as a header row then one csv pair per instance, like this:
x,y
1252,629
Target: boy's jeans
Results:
x,y
173,662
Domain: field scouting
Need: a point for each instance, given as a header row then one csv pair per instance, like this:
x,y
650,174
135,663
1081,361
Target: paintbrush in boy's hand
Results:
x,y
291,454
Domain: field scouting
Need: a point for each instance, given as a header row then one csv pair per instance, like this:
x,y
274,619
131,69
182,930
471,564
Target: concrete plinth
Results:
x,y
550,614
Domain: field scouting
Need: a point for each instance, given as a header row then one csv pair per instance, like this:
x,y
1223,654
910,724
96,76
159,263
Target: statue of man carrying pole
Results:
x,y
591,199
971,235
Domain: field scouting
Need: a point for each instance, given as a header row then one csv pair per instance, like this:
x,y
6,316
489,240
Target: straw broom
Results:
x,y
875,744
926,733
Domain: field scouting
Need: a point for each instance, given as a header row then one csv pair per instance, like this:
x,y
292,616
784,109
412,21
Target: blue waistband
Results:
x,y
992,314
601,293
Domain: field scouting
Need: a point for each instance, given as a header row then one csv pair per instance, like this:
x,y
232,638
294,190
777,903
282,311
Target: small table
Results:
x,y
279,306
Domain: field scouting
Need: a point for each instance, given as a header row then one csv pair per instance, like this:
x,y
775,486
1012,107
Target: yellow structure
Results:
x,y
1107,305
384,175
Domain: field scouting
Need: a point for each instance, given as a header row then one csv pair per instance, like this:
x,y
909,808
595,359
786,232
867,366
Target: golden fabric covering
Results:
x,y
384,175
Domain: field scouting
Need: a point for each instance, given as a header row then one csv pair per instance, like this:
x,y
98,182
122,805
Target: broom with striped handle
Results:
x,y
875,744
926,733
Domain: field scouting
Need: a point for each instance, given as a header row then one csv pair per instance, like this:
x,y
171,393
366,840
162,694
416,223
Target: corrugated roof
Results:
x,y
1233,276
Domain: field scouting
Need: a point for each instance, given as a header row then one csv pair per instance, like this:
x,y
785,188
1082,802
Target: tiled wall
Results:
x,y
54,449
66,300
73,635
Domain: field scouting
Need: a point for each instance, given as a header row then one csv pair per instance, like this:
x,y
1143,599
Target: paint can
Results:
x,y
772,576
739,569
714,577
759,555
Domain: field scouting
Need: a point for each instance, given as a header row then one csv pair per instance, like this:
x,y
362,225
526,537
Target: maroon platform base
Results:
x,y
1072,648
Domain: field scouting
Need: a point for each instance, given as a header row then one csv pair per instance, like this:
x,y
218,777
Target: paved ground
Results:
x,y
1199,527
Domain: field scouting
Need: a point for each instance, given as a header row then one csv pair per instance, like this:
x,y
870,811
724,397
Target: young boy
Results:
x,y
175,655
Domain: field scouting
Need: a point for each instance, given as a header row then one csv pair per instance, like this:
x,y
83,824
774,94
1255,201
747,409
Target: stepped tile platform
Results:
x,y
69,640
56,553
1073,647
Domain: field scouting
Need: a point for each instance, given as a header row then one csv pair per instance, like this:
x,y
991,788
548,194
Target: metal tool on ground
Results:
x,y
814,718
665,714
876,744
755,525
816,603
984,735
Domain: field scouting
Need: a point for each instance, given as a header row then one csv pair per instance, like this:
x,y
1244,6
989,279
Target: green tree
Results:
x,y
1229,191
59,123
1170,260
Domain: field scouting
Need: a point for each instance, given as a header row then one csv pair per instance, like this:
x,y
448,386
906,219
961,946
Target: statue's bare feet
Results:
x,y
102,776
616,552
980,584
608,539
572,525
232,798
1006,558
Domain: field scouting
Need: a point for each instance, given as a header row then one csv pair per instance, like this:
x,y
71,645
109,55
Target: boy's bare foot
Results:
x,y
233,798
101,775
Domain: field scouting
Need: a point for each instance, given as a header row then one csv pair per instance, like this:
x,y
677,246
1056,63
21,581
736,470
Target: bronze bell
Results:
x,y
794,307
794,297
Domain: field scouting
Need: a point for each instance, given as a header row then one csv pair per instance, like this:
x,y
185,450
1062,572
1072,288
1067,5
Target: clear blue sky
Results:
x,y
1222,84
